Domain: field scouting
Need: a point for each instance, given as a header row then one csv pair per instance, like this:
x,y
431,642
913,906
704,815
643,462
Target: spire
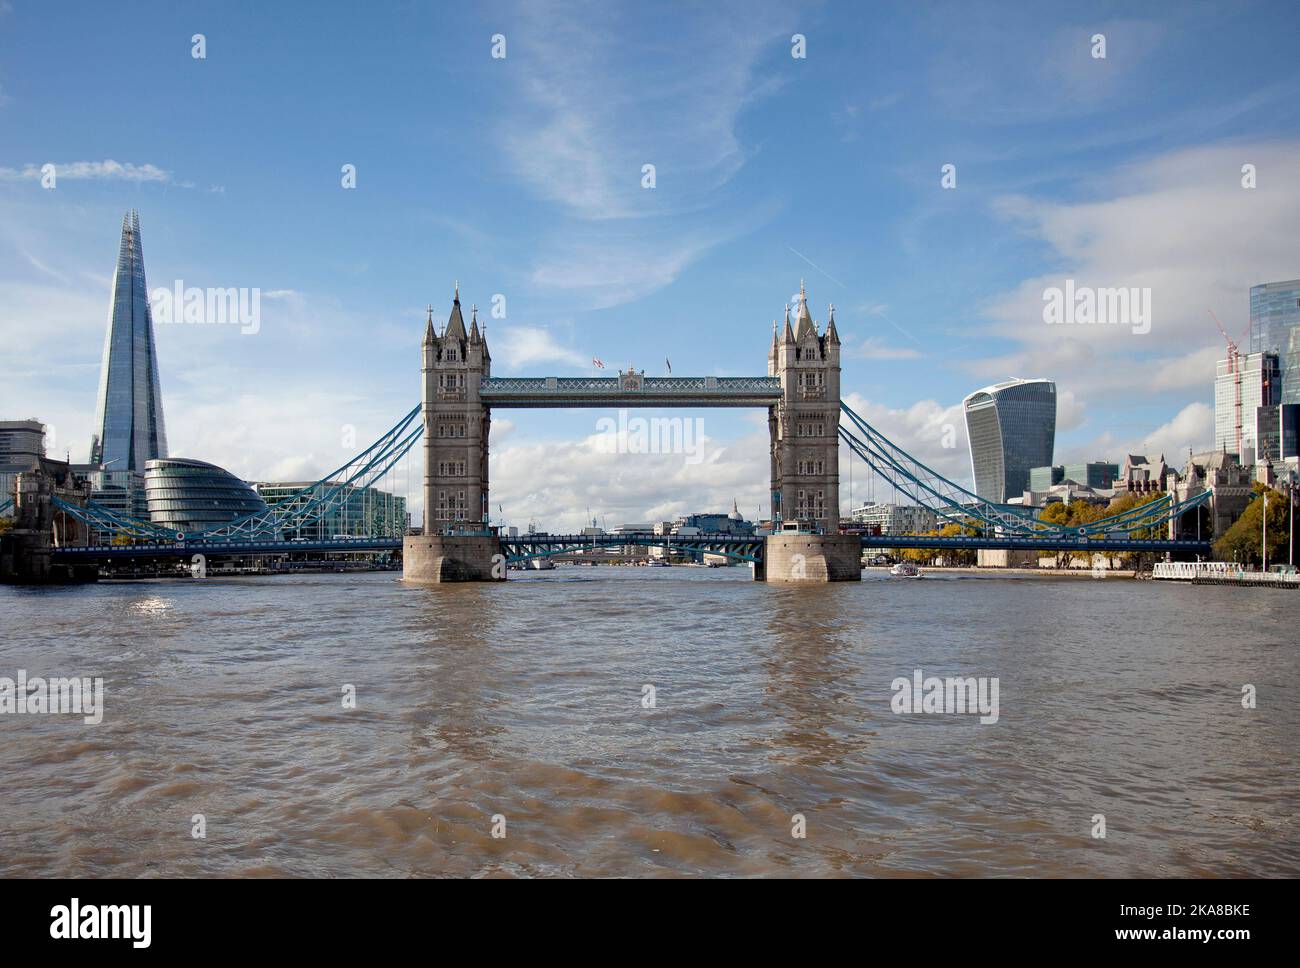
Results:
x,y
473,324
787,334
772,352
429,333
804,323
832,336
455,322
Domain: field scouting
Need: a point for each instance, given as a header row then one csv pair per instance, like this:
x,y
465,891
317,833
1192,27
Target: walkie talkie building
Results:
x,y
1011,428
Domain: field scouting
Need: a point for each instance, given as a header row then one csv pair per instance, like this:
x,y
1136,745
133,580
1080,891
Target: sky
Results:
x,y
522,177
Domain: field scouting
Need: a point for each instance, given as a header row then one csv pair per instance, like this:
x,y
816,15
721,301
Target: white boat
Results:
x,y
658,563
541,564
906,569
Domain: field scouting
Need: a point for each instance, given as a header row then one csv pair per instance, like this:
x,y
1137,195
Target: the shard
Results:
x,y
129,416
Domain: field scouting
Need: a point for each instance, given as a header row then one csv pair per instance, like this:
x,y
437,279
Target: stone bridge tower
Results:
x,y
456,425
804,425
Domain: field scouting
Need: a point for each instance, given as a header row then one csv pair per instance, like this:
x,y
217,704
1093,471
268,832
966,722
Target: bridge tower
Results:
x,y
456,424
803,426
454,546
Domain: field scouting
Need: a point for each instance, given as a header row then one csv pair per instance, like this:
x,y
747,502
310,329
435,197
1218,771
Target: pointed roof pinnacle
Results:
x,y
456,297
455,327
832,335
804,323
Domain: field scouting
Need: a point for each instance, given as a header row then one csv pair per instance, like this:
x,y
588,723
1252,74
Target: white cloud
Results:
x,y
931,432
523,346
107,170
1182,226
554,483
1191,428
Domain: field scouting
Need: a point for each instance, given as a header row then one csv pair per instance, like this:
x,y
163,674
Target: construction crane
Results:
x,y
1234,369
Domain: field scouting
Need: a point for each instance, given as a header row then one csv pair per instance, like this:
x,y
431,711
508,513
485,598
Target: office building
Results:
x,y
363,512
21,441
1277,432
1011,428
22,447
1094,474
1275,329
1242,384
895,518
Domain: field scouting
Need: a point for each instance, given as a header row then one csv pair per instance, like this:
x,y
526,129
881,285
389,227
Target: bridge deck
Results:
x,y
613,391
531,544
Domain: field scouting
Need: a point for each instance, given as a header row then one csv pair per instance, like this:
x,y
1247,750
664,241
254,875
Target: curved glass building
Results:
x,y
190,495
1011,428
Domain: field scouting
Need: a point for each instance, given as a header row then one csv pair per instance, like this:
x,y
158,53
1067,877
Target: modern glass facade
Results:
x,y
1099,474
1278,432
1275,328
129,415
1011,428
189,495
1242,384
364,512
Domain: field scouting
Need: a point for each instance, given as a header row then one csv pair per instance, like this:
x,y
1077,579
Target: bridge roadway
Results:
x,y
533,546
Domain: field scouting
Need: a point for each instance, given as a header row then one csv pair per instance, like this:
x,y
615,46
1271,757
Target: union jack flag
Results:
x,y
598,364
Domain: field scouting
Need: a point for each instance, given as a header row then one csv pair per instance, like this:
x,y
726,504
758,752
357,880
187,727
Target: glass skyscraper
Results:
x,y
1243,384
1275,328
129,415
1011,428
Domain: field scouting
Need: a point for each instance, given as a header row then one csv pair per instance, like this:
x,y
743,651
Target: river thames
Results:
x,y
520,708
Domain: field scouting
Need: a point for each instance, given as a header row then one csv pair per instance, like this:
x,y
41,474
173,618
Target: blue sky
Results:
x,y
522,176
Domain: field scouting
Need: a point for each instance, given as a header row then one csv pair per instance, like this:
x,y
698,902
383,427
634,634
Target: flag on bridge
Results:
x,y
669,365
597,364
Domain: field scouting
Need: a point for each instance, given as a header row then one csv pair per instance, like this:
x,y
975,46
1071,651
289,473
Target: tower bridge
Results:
x,y
807,422
801,392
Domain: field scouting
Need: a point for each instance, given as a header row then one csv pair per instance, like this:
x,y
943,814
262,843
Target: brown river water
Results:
x,y
523,702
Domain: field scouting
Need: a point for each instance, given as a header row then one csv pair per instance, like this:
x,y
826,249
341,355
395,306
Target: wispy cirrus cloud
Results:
x,y
107,170
586,125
